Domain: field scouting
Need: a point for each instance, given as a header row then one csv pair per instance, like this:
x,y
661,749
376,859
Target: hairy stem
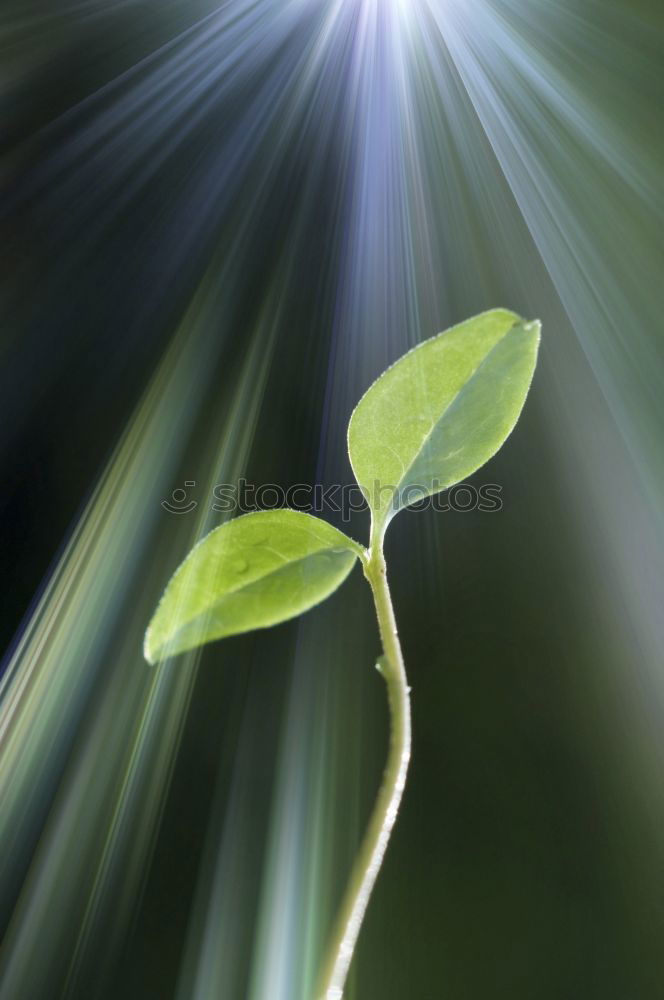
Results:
x,y
372,851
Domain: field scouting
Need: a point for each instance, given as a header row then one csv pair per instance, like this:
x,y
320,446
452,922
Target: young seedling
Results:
x,y
433,418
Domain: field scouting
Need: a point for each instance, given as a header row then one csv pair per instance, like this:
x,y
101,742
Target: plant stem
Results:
x,y
372,850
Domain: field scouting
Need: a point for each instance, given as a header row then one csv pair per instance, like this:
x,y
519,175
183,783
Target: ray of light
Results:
x,y
436,130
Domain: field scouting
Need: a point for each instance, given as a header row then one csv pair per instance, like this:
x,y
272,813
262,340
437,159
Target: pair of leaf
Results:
x,y
433,418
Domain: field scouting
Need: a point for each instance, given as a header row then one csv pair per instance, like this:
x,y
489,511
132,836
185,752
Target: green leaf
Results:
x,y
254,571
441,411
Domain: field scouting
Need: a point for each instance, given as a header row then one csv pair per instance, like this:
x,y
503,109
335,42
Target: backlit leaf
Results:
x,y
442,410
254,571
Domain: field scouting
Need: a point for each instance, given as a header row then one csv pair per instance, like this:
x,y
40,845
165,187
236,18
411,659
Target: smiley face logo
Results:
x,y
178,503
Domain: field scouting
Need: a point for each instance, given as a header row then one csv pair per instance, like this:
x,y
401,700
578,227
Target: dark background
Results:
x,y
527,860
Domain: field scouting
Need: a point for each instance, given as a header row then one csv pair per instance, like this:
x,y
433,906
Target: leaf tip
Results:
x,y
149,652
533,326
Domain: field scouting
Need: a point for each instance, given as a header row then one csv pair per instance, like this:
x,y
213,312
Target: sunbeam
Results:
x,y
220,222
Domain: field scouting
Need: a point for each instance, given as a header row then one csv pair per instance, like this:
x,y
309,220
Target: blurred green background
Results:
x,y
219,224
